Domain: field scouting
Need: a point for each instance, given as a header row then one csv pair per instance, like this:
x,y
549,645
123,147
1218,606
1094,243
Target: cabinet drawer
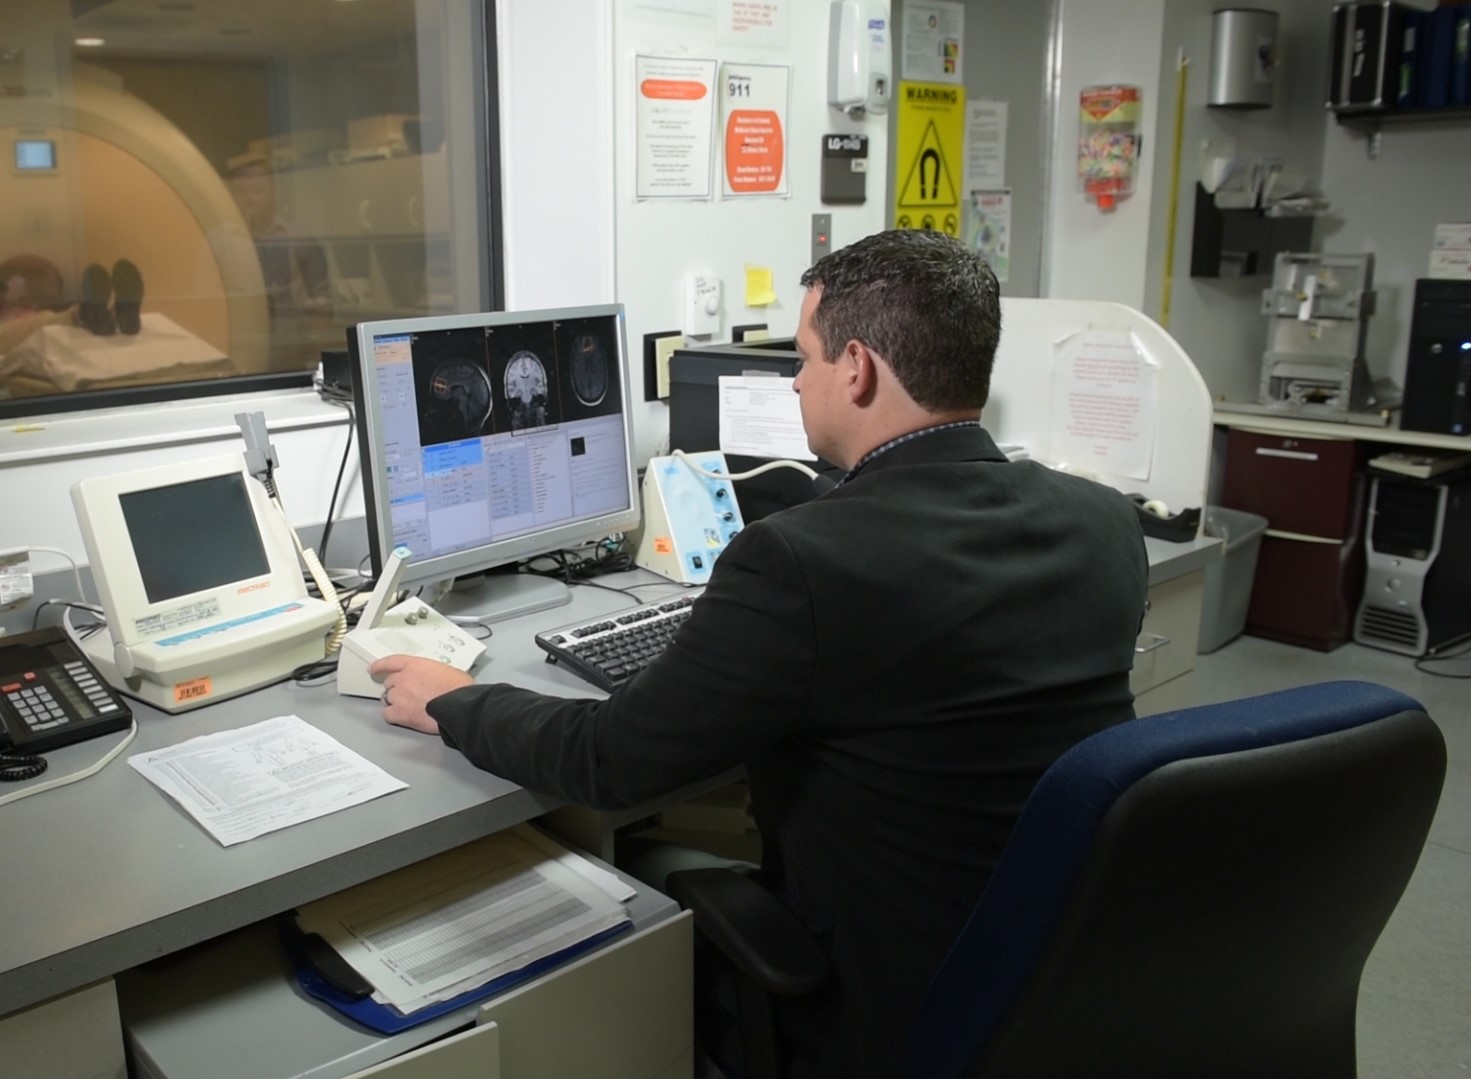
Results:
x,y
1303,485
1171,631
631,1005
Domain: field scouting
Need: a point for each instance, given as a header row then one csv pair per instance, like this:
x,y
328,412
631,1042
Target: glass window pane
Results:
x,y
204,189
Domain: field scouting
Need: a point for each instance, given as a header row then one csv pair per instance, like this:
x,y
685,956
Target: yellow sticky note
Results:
x,y
759,290
663,349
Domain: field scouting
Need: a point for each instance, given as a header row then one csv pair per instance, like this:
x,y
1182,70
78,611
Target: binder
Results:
x,y
1441,23
1408,93
1460,93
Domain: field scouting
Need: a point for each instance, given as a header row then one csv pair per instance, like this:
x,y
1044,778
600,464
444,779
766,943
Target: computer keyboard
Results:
x,y
609,650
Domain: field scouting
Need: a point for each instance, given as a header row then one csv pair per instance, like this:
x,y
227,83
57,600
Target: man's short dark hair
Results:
x,y
924,302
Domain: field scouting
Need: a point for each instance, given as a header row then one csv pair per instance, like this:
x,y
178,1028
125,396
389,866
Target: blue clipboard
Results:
x,y
385,1019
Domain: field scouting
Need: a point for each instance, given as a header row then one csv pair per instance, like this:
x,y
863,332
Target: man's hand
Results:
x,y
410,683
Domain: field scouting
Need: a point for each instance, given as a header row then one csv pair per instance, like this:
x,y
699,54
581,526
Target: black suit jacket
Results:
x,y
895,663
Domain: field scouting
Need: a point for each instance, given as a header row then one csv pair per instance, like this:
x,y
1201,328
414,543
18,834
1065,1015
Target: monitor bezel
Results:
x,y
134,619
371,449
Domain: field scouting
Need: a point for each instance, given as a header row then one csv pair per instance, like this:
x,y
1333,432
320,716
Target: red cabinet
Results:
x,y
1310,571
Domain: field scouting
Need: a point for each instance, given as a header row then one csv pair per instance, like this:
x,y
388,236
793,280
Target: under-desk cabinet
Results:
x,y
231,1009
1310,569
1164,656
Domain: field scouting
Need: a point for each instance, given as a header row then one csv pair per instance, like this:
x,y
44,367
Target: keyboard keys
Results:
x,y
612,649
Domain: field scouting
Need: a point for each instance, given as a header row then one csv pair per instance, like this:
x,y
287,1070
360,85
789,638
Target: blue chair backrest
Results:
x,y
1027,895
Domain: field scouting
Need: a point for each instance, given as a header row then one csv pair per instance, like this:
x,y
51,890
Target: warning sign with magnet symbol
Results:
x,y
930,138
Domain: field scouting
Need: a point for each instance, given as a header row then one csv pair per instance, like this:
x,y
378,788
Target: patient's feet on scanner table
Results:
x,y
93,312
127,287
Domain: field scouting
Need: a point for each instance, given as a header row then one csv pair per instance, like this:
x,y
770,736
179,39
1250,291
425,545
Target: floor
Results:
x,y
1415,997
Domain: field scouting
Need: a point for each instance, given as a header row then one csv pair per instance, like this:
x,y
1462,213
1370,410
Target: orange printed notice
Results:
x,y
754,151
663,545
754,104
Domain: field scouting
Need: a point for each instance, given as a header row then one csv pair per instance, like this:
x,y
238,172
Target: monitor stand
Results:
x,y
501,594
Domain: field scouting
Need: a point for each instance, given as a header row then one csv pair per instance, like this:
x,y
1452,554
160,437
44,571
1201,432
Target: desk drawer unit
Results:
x,y
231,1009
1310,570
1165,652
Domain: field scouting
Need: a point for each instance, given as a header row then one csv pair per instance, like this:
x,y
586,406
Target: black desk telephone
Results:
x,y
50,696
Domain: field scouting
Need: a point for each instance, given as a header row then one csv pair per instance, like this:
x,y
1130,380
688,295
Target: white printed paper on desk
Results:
x,y
243,783
760,416
431,931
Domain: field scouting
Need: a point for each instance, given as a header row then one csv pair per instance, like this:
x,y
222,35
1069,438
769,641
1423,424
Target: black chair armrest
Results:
x,y
758,935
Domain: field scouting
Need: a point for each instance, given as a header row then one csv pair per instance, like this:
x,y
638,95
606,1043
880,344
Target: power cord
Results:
x,y
337,486
1459,653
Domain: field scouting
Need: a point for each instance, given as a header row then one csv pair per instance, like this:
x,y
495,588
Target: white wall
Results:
x,y
660,242
1217,320
1390,207
1090,254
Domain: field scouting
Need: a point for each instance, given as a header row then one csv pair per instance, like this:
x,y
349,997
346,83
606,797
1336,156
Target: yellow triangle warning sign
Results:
x,y
929,184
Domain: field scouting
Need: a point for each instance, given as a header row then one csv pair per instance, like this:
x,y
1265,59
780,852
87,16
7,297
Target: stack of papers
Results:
x,y
443,927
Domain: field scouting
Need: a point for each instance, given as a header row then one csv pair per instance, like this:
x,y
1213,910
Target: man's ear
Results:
x,y
861,366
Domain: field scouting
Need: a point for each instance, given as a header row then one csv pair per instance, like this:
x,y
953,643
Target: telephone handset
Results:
x,y
51,696
410,628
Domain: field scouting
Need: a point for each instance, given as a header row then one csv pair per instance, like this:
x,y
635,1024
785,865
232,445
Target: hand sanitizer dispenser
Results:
x,y
859,77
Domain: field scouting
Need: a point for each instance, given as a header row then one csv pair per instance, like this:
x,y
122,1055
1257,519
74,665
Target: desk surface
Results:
x,y
1310,428
108,873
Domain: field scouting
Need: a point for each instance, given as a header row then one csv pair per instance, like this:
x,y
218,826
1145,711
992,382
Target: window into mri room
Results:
x,y
199,196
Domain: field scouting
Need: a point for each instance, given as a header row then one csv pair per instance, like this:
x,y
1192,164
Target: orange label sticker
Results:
x,y
663,545
192,690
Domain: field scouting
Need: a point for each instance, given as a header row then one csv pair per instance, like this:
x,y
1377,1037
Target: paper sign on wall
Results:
x,y
1104,398
933,32
988,229
761,23
675,113
754,102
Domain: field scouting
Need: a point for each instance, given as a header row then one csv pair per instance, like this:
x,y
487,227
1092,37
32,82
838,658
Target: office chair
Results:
x,y
1193,893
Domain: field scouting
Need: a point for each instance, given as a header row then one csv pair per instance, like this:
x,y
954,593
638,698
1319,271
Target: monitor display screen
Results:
x,y
491,438
35,155
192,536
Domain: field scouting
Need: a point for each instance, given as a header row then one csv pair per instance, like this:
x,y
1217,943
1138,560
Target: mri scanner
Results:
x,y
103,176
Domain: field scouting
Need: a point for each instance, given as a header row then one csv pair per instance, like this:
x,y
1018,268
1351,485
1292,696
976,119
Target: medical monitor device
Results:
x,y
488,439
199,580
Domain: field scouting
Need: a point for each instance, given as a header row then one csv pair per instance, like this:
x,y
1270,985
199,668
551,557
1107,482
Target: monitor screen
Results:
x,y
35,155
192,536
488,439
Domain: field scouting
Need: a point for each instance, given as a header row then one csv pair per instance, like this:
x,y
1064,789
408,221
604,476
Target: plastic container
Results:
x,y
1228,580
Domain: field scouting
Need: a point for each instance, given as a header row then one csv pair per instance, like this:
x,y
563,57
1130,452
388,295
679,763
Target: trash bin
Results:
x,y
1228,580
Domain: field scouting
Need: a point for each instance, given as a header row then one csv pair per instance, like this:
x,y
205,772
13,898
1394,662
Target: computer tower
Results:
x,y
1438,374
1417,580
694,418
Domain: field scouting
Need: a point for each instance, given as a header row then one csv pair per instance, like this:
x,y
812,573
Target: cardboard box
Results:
x,y
1453,236
1454,265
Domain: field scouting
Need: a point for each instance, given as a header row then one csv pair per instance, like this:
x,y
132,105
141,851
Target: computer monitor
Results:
x,y
488,439
199,580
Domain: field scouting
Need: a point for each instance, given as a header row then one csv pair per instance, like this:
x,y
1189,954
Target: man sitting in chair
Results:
x,y
894,663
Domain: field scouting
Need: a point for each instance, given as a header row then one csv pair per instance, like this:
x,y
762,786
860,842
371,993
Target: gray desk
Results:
x,y
104,875
108,873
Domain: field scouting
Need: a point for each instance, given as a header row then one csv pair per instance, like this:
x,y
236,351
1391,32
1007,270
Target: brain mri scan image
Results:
x,y
590,370
461,398
526,390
